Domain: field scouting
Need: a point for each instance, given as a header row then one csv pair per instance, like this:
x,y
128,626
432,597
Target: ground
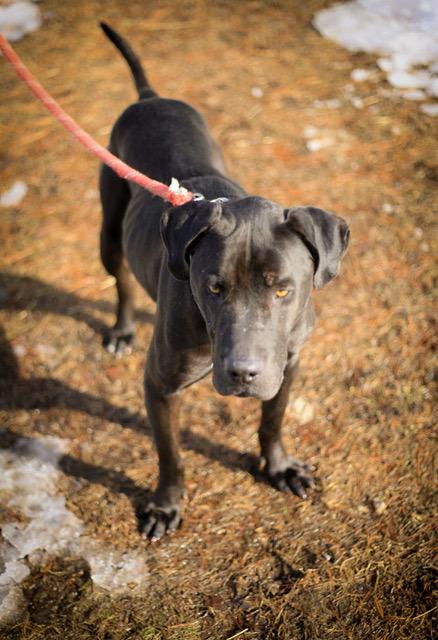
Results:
x,y
355,561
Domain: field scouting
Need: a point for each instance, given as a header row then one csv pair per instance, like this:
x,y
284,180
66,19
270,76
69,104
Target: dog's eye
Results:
x,y
215,289
281,293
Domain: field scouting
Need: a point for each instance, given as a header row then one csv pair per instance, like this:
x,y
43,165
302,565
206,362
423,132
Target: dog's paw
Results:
x,y
293,477
119,341
156,521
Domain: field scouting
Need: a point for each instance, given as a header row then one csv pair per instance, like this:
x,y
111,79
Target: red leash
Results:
x,y
176,197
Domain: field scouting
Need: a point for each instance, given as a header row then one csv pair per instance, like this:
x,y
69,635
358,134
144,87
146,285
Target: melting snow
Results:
x,y
430,109
19,18
316,144
114,570
403,32
360,75
257,92
415,94
14,195
304,411
28,479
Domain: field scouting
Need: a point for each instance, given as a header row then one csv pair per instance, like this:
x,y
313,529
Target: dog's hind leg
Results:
x,y
115,197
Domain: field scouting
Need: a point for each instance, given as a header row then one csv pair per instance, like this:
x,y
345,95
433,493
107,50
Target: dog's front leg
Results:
x,y
168,371
284,472
162,514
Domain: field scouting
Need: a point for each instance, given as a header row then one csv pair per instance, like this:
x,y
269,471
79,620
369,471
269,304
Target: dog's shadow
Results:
x,y
19,293
17,392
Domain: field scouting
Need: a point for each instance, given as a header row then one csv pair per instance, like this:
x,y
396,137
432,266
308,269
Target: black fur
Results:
x,y
232,280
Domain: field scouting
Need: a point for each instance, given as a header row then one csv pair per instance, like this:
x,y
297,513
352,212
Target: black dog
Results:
x,y
231,274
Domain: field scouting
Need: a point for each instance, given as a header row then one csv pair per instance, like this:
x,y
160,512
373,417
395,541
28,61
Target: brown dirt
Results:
x,y
356,561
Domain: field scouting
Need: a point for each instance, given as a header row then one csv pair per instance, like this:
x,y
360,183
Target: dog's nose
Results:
x,y
243,371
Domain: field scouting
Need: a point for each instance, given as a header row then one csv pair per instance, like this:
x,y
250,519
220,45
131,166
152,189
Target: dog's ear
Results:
x,y
181,226
325,235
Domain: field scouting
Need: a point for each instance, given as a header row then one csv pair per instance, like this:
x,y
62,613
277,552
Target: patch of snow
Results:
x,y
257,92
310,131
402,32
378,505
19,350
430,109
114,570
408,80
304,411
360,75
415,94
28,478
385,64
11,603
19,18
432,87
15,570
28,475
316,144
13,196
357,102
48,353
331,103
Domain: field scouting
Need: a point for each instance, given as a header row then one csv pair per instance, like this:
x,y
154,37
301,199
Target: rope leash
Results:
x,y
175,194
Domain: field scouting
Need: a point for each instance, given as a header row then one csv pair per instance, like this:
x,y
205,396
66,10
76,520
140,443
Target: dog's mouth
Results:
x,y
258,394
245,391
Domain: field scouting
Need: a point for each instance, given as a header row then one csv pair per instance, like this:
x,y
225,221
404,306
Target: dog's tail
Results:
x,y
140,78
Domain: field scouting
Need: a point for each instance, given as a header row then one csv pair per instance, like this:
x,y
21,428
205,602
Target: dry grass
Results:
x,y
356,561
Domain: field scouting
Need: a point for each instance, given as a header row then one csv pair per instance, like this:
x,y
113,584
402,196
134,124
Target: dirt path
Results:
x,y
356,560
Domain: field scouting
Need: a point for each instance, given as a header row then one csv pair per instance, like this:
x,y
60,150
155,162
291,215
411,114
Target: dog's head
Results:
x,y
251,267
